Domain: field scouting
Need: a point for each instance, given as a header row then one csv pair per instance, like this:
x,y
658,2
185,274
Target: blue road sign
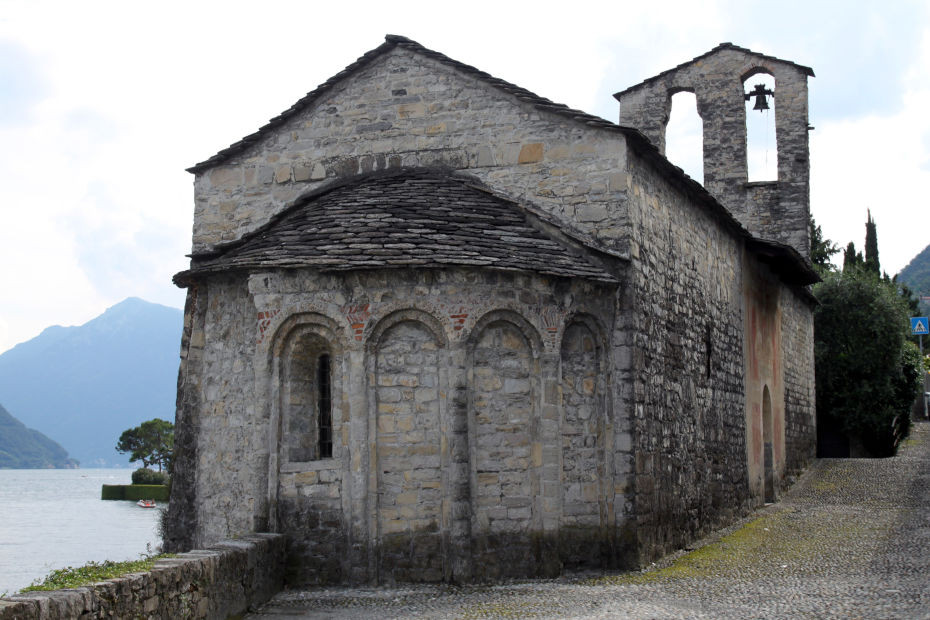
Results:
x,y
919,326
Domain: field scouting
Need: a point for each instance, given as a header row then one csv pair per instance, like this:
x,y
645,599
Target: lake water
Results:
x,y
53,518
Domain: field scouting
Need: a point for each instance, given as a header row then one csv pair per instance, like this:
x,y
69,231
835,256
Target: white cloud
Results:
x,y
878,162
121,97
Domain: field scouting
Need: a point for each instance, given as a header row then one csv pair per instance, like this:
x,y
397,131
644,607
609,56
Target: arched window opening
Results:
x,y
761,147
307,400
324,407
684,136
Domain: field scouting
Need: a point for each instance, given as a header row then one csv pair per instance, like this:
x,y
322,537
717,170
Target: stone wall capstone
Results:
x,y
220,581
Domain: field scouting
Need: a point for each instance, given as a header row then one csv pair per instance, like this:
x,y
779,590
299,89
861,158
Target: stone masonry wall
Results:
x,y
687,400
218,582
776,211
409,110
232,442
219,488
448,427
409,438
584,461
797,332
504,401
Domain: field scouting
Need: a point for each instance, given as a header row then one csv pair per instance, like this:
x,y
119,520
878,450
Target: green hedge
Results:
x,y
135,492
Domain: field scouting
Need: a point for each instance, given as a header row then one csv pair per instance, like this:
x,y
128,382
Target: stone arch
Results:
x,y
505,453
304,478
683,132
526,328
407,314
297,346
760,127
407,424
584,444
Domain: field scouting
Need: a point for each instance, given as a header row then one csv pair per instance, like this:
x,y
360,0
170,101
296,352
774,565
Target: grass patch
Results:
x,y
92,572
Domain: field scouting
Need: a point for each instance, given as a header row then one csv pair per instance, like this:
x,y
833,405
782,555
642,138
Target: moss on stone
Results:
x,y
776,540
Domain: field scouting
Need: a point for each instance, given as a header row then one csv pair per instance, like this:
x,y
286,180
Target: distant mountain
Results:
x,y
83,386
917,276
25,448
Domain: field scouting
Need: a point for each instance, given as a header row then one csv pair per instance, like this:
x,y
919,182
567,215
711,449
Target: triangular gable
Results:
x,y
391,42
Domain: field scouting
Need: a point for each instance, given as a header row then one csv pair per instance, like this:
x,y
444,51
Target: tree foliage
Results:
x,y
152,442
852,260
822,250
867,372
871,262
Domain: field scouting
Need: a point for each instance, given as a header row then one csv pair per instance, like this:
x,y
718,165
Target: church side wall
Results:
x,y
764,380
800,413
409,110
687,365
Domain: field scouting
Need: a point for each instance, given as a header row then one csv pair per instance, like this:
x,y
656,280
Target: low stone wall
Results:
x,y
217,582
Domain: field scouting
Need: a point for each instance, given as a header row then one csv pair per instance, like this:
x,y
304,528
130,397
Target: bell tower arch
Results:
x,y
772,210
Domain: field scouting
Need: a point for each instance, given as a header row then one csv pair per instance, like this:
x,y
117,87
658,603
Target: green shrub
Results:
x,y
144,475
867,373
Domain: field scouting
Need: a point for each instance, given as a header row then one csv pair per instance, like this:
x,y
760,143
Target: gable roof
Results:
x,y
424,218
637,142
723,46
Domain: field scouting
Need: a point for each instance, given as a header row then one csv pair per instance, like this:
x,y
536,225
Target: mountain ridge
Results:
x,y
916,275
82,386
26,448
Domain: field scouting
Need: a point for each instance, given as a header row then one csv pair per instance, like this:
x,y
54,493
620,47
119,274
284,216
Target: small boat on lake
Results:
x,y
146,503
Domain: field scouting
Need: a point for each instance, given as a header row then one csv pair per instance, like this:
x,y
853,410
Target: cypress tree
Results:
x,y
821,249
871,247
852,260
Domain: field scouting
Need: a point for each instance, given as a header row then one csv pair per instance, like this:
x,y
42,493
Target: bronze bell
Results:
x,y
760,92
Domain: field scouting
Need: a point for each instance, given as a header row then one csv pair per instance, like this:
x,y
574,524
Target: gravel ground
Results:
x,y
850,540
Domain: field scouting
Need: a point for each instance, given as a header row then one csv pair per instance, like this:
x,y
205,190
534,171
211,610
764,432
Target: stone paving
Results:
x,y
850,540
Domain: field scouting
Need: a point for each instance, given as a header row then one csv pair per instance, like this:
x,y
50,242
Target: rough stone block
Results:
x,y
530,153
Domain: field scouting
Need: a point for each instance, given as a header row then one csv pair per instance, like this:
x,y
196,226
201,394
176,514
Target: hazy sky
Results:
x,y
104,104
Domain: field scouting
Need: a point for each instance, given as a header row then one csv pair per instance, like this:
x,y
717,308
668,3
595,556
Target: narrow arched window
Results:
x,y
324,407
307,399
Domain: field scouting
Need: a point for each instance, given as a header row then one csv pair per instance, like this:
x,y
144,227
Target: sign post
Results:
x,y
920,327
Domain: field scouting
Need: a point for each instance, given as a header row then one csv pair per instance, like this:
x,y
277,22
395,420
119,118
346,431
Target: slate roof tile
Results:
x,y
411,217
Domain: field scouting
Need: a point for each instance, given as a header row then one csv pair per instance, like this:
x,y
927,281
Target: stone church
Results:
x,y
440,328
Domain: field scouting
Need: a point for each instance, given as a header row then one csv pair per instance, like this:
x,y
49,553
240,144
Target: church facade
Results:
x,y
439,328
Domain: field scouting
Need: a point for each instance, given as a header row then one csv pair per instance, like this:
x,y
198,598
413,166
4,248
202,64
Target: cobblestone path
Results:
x,y
850,540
